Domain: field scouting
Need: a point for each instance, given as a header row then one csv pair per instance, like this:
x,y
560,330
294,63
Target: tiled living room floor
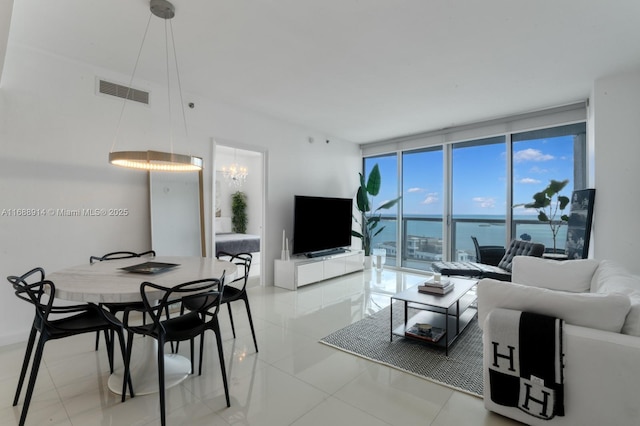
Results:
x,y
293,380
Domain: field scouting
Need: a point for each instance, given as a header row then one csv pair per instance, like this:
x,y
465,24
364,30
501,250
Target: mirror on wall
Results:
x,y
177,225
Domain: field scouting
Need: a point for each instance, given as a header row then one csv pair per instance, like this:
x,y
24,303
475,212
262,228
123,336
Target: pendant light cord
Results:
x,y
166,53
184,116
151,160
135,67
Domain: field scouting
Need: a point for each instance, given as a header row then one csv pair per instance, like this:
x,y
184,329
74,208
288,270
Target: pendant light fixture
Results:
x,y
157,160
235,174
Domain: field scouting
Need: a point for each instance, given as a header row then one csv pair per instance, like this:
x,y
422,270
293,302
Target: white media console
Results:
x,y
302,270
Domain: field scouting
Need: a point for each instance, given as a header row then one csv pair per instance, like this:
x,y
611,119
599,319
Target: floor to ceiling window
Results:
x,y
538,157
386,235
478,195
422,207
453,190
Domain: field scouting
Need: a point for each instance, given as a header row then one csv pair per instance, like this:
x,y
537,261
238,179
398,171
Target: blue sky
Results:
x,y
479,176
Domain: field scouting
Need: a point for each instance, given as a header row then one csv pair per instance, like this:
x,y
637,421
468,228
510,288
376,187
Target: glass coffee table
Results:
x,y
449,314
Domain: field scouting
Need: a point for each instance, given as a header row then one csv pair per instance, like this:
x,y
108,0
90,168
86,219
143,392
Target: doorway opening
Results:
x,y
226,234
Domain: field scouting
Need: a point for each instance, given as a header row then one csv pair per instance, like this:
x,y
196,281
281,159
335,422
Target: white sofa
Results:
x,y
600,304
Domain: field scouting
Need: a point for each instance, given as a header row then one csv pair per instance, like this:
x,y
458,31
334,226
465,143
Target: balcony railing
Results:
x,y
422,238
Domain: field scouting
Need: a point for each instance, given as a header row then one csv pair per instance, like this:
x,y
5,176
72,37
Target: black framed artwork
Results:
x,y
579,224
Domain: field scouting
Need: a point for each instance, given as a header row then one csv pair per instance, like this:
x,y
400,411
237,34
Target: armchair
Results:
x,y
501,272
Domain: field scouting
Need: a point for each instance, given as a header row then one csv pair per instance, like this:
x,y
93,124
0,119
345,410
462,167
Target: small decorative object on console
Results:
x,y
284,255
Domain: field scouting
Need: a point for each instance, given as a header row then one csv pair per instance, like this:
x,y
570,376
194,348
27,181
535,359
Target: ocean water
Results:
x,y
484,228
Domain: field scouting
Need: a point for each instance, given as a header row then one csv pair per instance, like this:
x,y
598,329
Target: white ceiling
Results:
x,y
360,70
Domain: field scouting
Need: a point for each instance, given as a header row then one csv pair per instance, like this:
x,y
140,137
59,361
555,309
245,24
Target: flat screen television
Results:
x,y
321,225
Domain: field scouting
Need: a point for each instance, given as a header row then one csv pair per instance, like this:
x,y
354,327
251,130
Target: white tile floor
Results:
x,y
293,380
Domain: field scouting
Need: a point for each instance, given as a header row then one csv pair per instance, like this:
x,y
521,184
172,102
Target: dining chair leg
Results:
x,y
106,338
32,380
127,366
110,346
161,390
174,349
201,354
192,363
25,364
233,328
253,332
216,330
126,379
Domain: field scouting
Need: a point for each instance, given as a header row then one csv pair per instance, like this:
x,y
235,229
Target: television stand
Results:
x,y
301,270
324,253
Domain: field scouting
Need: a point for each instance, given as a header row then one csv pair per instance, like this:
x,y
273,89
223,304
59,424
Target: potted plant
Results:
x,y
239,212
369,221
550,203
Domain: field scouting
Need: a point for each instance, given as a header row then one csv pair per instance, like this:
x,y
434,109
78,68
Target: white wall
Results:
x,y
55,134
615,111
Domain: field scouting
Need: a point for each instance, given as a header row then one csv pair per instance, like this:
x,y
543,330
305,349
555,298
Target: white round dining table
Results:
x,y
108,282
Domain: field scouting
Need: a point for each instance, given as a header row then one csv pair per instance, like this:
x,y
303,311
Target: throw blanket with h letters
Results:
x,y
526,369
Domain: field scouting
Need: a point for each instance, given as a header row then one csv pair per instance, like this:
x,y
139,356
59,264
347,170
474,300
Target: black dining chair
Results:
x,y
56,322
489,255
120,255
233,293
114,308
204,296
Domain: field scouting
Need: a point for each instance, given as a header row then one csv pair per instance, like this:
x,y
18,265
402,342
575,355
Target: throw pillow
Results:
x,y
593,310
629,285
607,270
568,275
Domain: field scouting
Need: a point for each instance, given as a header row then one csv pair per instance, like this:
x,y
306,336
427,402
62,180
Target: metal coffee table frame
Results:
x,y
452,311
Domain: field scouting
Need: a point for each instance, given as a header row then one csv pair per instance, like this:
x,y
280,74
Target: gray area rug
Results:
x,y
369,338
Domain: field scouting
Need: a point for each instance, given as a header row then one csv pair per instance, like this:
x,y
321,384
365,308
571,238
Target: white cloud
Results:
x,y
528,181
416,189
531,154
485,202
431,198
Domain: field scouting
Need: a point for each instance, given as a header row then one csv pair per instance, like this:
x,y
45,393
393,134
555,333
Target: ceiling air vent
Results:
x,y
124,92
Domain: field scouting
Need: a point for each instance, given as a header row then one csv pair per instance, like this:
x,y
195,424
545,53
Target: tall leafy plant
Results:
x,y
549,203
239,212
369,221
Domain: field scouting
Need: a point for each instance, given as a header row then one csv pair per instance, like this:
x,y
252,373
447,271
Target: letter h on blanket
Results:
x,y
526,369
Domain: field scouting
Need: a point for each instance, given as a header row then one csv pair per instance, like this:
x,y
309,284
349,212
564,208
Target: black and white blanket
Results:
x,y
526,364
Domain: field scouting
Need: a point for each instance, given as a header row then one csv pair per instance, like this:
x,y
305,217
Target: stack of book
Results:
x,y
425,332
441,286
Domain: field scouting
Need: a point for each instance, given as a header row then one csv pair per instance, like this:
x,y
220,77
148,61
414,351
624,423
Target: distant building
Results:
x,y
426,249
